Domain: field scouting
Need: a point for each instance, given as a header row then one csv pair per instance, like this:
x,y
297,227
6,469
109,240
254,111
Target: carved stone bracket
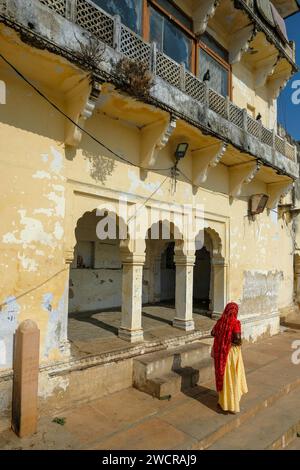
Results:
x,y
153,138
242,174
240,43
206,158
281,75
276,191
264,69
81,102
203,13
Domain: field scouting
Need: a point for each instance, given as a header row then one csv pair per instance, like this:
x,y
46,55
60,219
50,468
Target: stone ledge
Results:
x,y
55,33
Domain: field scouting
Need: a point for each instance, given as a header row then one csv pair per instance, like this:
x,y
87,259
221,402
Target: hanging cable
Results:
x,y
58,109
146,200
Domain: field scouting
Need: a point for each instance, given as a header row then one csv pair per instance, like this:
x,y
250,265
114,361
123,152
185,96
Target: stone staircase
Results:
x,y
166,373
273,428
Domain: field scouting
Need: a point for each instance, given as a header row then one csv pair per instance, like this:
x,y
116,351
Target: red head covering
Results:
x,y
222,332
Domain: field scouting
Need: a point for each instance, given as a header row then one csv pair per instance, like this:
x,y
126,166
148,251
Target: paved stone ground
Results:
x,y
96,332
133,420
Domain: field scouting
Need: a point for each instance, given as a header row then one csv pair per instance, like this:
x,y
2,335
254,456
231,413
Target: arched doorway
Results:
x,y
160,268
96,270
209,287
104,282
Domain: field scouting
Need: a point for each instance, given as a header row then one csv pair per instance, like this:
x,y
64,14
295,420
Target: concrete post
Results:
x,y
25,381
132,280
184,292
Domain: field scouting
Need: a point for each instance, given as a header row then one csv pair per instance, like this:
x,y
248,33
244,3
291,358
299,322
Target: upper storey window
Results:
x,y
169,35
130,12
213,65
163,22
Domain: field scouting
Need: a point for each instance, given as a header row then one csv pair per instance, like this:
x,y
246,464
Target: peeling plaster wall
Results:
x,y
46,187
261,265
32,270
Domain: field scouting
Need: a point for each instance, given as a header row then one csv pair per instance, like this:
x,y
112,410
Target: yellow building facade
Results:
x,y
83,148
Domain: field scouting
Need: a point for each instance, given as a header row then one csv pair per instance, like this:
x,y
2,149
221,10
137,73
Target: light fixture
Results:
x,y
257,203
181,150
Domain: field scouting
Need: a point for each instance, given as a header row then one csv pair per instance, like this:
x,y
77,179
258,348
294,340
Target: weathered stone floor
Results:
x,y
133,420
96,332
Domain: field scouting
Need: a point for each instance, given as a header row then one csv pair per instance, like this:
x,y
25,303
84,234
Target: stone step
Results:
x,y
168,385
272,429
266,388
166,373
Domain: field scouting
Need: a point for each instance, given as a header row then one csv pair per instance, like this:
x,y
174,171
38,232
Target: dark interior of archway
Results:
x,y
168,275
202,275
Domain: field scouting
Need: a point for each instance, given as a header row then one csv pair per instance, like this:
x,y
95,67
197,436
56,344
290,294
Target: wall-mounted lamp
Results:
x,y
257,204
181,150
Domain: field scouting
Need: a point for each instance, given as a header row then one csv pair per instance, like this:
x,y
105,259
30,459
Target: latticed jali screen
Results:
x,y
168,69
217,103
57,5
267,136
93,20
289,151
194,87
133,47
253,127
280,144
236,115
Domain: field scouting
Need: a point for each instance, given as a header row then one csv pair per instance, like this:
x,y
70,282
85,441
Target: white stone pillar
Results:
x,y
184,292
64,345
218,294
132,283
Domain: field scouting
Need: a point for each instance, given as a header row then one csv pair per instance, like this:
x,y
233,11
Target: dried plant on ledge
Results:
x,y
136,77
91,52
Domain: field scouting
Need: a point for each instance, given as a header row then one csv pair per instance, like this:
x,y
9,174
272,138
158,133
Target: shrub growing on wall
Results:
x,y
136,77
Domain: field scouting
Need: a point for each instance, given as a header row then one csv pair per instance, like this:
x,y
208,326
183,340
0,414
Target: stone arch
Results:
x,y
132,257
216,241
96,269
163,240
82,205
212,241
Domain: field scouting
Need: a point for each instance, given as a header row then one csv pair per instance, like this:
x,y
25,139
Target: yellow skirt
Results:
x,y
234,384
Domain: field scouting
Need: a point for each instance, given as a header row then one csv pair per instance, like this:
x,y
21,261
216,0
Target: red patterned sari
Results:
x,y
223,332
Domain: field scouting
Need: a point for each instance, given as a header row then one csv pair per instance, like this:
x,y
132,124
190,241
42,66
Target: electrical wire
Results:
x,y
59,110
146,200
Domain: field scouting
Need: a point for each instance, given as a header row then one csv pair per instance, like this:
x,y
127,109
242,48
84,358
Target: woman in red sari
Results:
x,y
229,367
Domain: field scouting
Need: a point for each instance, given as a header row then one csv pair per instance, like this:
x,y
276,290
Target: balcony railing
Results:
x,y
114,34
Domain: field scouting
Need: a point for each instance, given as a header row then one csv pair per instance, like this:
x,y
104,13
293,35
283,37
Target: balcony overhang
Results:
x,y
228,126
